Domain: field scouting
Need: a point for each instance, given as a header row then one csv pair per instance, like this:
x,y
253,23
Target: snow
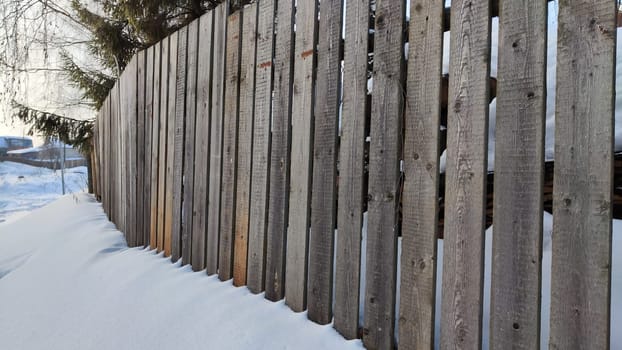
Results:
x,y
24,187
69,281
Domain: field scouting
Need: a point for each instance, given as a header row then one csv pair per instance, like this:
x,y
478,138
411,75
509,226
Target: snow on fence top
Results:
x,y
251,147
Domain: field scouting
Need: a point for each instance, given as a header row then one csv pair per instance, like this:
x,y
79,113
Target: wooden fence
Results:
x,y
243,141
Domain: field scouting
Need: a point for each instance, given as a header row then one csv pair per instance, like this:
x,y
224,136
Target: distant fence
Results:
x,y
240,145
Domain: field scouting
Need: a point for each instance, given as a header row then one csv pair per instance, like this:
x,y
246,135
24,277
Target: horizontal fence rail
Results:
x,y
292,147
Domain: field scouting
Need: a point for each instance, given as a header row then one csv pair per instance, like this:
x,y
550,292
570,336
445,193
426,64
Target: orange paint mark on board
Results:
x,y
306,54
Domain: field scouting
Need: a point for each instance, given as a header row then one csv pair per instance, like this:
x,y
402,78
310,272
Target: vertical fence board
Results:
x,y
465,190
202,152
123,119
581,257
324,184
187,210
351,167
245,142
421,174
179,134
229,150
384,175
139,151
171,182
131,132
148,145
163,139
279,158
215,169
155,148
261,147
301,161
519,174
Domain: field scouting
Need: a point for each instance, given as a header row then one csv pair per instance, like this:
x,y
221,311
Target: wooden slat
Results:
x,y
581,257
155,147
279,158
215,169
171,182
139,153
351,168
148,145
189,145
245,143
202,145
300,167
122,178
179,135
163,105
465,190
130,133
519,174
384,175
261,148
324,191
229,150
421,174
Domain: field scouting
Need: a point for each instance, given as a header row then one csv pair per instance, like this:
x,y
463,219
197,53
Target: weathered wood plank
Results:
x,y
147,183
301,161
229,150
190,146
384,175
155,147
140,194
421,174
179,135
465,190
215,169
131,133
351,170
261,148
169,205
280,155
163,105
202,153
324,191
519,175
581,257
245,142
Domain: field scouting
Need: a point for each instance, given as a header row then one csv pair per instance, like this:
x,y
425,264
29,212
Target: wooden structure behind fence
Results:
x,y
243,141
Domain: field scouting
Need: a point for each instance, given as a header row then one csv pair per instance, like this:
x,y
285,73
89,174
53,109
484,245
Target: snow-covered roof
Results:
x,y
25,150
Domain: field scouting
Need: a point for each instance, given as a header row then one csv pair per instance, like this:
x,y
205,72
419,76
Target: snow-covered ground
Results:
x,y
24,187
69,281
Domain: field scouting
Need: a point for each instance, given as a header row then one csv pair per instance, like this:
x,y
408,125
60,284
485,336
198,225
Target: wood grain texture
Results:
x,y
202,145
351,169
163,107
301,161
245,143
131,132
519,176
169,206
384,175
140,148
581,256
187,210
179,141
215,169
155,146
324,182
261,148
279,158
421,175
465,191
148,110
229,150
